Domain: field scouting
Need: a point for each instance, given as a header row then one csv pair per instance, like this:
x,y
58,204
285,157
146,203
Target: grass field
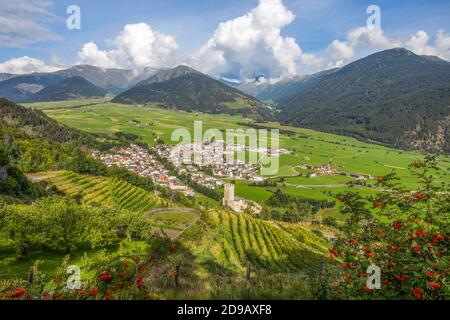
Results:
x,y
306,146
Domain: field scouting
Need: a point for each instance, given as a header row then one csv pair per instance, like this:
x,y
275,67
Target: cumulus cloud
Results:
x,y
136,47
25,65
420,44
252,44
24,22
360,41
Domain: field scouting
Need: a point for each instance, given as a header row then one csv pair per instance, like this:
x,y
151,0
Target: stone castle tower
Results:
x,y
228,199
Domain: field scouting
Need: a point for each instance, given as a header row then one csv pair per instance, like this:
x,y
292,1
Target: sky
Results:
x,y
239,39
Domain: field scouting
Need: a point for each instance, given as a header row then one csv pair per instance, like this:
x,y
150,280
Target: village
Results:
x,y
208,174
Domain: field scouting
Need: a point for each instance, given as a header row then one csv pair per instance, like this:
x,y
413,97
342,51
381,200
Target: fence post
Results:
x,y
248,275
177,274
31,276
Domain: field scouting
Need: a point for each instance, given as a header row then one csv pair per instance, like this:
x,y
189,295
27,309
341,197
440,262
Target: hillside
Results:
x,y
37,124
393,97
69,89
189,90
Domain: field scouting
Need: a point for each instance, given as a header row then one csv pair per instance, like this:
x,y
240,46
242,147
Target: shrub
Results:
x,y
404,233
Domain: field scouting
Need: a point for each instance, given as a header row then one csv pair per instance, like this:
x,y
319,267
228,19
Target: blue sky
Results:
x,y
193,22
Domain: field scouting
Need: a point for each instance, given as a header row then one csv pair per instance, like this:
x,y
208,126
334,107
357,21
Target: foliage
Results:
x,y
279,248
60,223
117,277
408,242
292,208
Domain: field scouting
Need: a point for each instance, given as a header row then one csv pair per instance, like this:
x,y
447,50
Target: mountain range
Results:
x,y
22,88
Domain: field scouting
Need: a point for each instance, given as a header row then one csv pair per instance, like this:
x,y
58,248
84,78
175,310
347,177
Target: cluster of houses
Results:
x,y
327,170
138,160
196,157
200,177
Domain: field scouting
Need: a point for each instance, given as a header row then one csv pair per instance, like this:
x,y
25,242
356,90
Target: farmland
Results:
x,y
306,146
103,191
277,247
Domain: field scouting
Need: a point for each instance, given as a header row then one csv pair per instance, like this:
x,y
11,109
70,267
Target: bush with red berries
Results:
x,y
114,278
403,232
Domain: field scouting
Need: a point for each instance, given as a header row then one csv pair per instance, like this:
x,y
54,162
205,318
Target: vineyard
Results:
x,y
268,245
105,192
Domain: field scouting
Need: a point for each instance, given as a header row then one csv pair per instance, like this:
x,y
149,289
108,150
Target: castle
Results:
x,y
229,200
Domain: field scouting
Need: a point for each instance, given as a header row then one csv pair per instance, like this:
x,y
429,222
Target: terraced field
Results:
x,y
105,191
268,245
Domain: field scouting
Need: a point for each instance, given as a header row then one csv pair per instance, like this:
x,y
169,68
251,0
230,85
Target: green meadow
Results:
x,y
306,146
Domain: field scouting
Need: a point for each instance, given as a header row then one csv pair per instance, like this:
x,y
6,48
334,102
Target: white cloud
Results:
x,y
420,44
360,41
25,65
136,47
24,22
443,44
252,44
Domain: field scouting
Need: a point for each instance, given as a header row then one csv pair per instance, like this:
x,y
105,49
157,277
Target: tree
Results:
x,y
24,227
102,226
64,221
330,221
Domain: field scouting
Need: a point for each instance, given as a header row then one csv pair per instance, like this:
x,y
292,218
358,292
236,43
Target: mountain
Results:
x,y
21,88
190,90
394,97
290,87
68,89
6,76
